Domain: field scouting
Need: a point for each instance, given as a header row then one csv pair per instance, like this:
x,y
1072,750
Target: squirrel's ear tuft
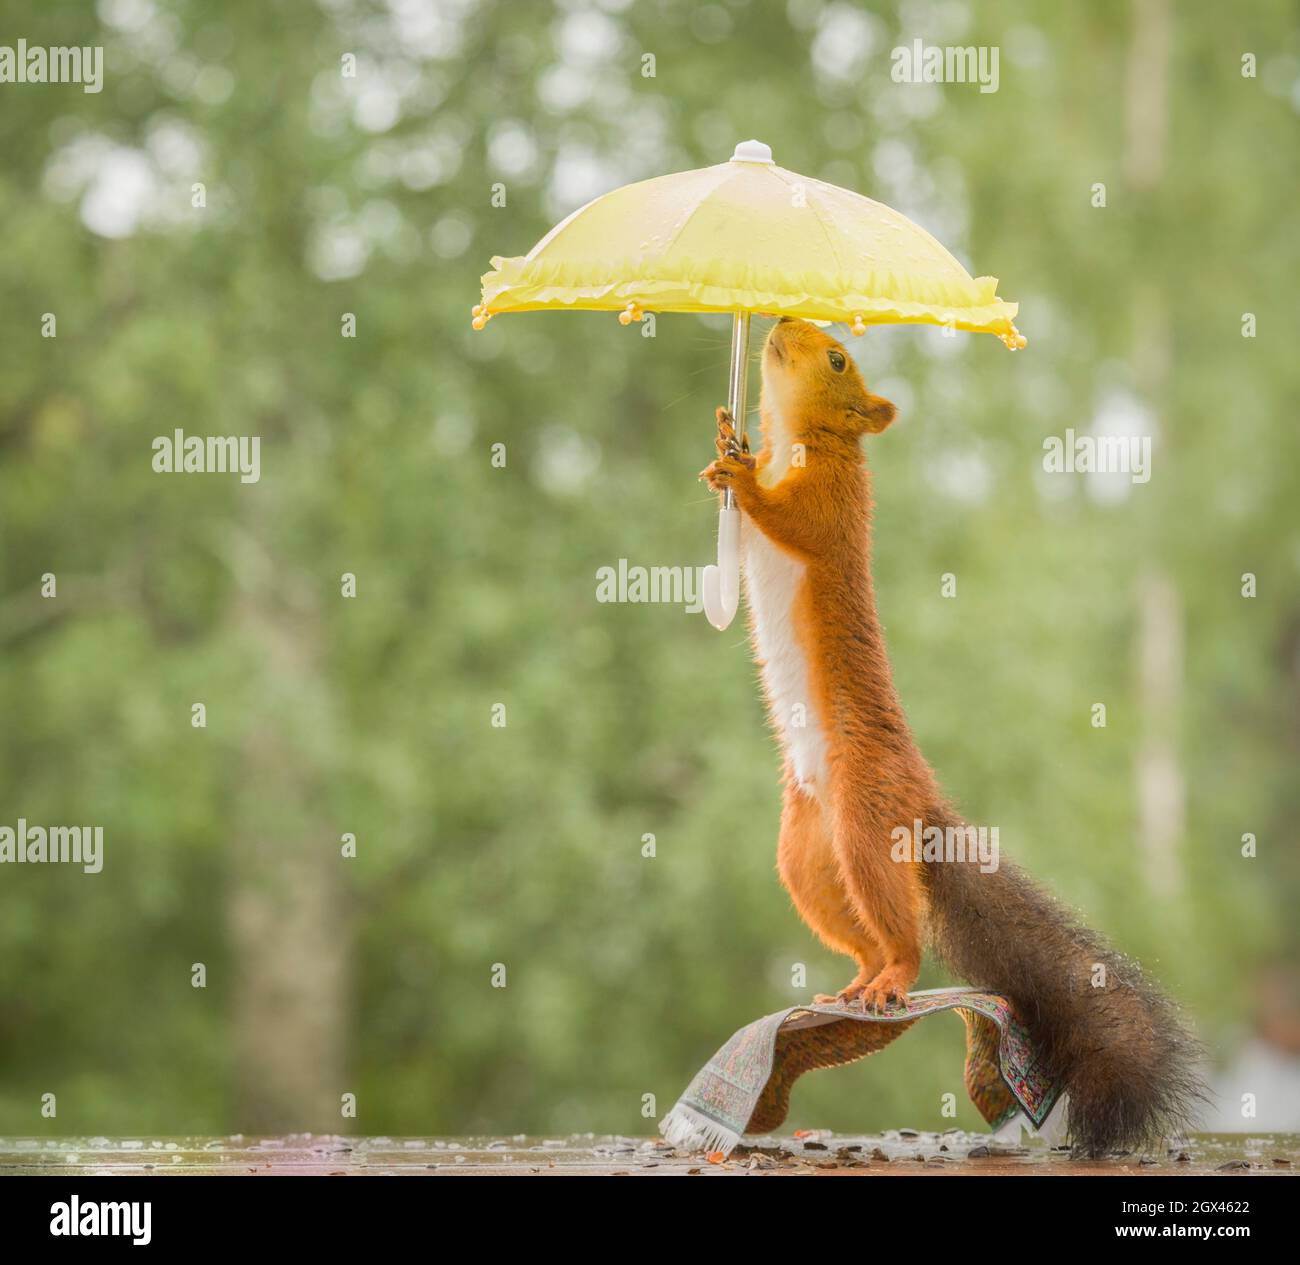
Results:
x,y
875,414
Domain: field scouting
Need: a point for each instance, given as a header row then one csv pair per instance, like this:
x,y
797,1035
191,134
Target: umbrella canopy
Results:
x,y
747,236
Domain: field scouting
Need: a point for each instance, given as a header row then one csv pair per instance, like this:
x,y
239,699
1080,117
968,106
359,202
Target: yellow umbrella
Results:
x,y
745,236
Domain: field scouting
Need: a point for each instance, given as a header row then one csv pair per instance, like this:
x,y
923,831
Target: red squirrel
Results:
x,y
854,775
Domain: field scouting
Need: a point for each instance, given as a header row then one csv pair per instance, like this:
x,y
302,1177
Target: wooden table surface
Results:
x,y
816,1154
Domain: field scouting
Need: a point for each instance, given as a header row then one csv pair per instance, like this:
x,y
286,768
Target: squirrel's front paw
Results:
x,y
735,472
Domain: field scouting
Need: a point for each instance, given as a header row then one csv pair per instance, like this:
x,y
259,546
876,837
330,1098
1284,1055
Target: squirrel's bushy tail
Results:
x,y
1111,1039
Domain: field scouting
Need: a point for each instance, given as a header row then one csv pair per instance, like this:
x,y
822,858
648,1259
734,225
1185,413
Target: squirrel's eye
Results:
x,y
837,361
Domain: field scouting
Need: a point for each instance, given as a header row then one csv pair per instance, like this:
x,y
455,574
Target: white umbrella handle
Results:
x,y
720,585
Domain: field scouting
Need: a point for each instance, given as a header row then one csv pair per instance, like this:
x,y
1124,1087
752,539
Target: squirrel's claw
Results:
x,y
727,431
725,441
734,460
727,444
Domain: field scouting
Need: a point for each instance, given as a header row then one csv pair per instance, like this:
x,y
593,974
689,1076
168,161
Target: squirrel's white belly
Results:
x,y
772,579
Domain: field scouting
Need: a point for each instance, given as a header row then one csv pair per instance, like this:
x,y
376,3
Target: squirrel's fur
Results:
x,y
853,775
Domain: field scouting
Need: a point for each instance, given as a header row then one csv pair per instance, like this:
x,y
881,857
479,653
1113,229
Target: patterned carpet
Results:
x,y
745,1087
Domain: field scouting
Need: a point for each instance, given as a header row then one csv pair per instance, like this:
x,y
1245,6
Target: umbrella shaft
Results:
x,y
738,382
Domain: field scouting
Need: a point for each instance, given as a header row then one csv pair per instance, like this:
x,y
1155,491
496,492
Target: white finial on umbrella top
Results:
x,y
752,152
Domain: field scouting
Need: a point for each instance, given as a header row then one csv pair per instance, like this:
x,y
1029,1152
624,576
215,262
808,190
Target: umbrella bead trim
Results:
x,y
873,298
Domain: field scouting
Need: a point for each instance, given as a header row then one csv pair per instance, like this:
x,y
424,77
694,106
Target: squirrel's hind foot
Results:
x,y
887,986
890,985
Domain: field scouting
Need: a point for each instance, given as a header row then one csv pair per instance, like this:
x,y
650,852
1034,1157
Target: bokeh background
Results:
x,y
476,584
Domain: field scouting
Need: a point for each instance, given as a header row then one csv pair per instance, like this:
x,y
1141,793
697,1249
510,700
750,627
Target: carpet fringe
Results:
x,y
689,1129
